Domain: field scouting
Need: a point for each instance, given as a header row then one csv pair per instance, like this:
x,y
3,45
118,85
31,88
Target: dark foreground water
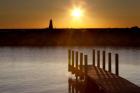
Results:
x,y
44,70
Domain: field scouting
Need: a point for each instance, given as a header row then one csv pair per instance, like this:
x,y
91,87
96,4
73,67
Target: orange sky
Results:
x,y
98,13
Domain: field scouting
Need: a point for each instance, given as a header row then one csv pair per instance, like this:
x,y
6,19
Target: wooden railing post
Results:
x,y
69,59
77,60
72,89
109,62
69,84
81,61
72,58
104,64
98,59
81,65
86,63
93,57
117,64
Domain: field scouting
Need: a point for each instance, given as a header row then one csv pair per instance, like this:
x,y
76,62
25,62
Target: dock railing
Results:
x,y
78,62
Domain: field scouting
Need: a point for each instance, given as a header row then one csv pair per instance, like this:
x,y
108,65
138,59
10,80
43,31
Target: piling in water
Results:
x,y
117,64
81,61
69,59
98,59
93,57
109,62
81,64
104,64
72,58
86,63
77,60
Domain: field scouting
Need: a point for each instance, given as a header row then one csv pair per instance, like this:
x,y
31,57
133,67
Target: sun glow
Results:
x,y
77,17
77,12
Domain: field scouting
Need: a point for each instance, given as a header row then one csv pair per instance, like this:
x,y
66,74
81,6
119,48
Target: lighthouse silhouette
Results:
x,y
51,25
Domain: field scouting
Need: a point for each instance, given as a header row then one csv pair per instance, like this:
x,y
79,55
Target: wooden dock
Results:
x,y
92,78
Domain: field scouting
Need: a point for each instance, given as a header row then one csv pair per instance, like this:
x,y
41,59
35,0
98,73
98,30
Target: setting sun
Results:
x,y
77,12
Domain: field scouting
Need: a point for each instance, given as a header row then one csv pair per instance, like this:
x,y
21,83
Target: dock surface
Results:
x,y
103,81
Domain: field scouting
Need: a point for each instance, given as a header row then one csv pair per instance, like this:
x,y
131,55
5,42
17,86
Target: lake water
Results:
x,y
44,70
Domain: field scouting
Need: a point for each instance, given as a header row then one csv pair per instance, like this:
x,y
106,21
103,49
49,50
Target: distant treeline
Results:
x,y
70,37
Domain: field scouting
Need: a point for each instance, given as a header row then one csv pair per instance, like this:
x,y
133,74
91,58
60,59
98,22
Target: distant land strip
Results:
x,y
71,37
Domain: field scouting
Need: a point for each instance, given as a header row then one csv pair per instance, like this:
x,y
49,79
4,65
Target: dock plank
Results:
x,y
110,82
97,79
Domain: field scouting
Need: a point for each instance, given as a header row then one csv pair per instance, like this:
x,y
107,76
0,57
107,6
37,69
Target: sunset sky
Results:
x,y
95,13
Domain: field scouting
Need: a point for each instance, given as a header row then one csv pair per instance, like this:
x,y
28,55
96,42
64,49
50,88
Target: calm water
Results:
x,y
44,70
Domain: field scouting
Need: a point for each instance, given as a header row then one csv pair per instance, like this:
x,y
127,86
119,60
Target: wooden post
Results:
x,y
117,64
109,62
69,59
81,61
86,63
77,60
76,87
69,84
98,58
81,65
72,58
93,57
72,89
104,60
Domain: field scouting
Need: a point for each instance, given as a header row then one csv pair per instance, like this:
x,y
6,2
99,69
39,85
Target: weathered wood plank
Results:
x,y
109,82
102,80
